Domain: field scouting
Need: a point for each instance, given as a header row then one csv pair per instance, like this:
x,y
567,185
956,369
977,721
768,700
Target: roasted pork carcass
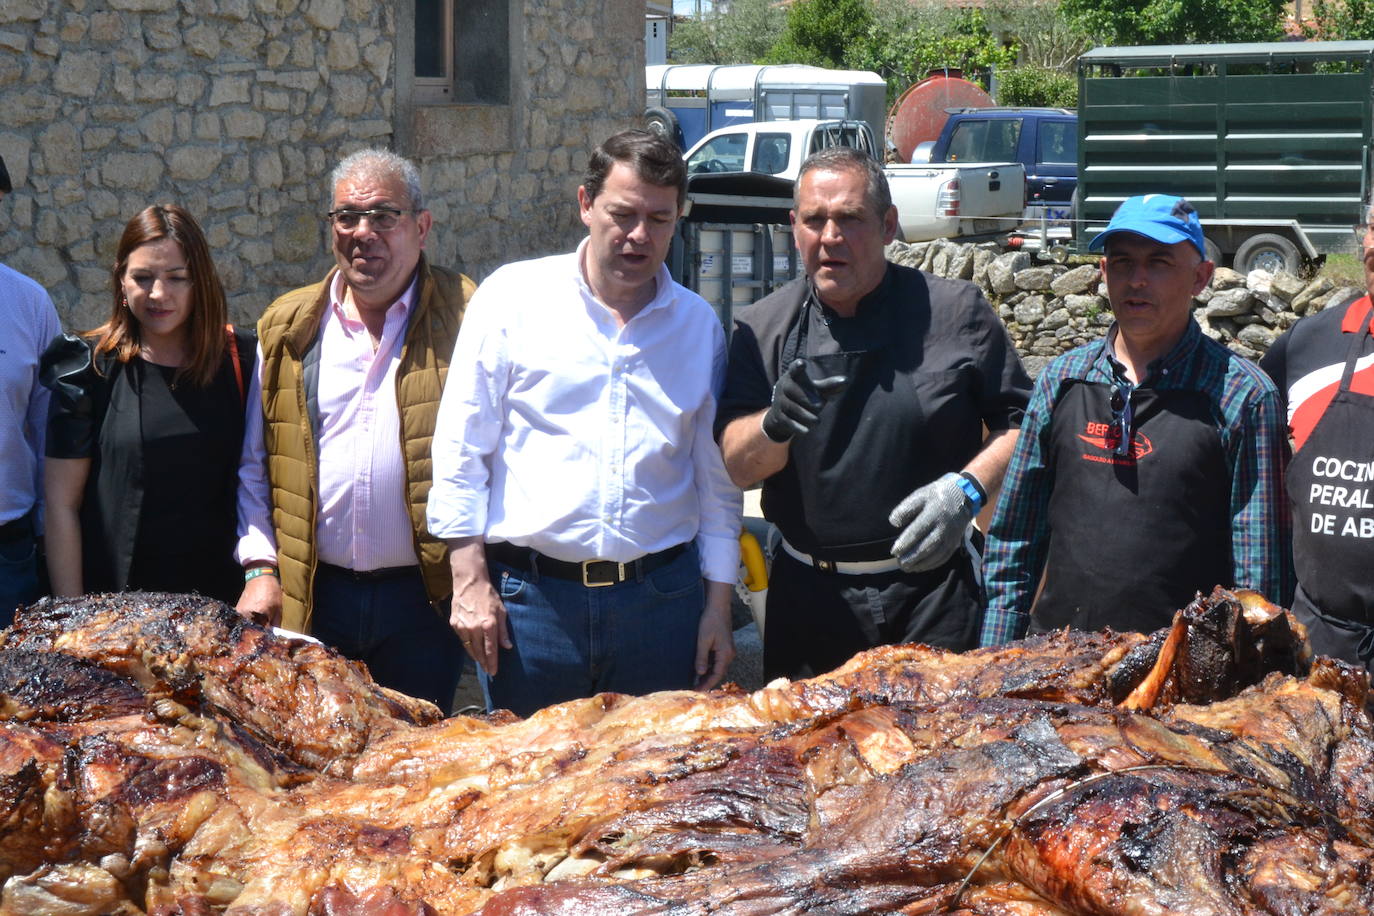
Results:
x,y
298,698
212,767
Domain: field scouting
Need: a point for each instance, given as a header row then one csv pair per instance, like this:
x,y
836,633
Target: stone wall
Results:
x,y
1051,308
238,109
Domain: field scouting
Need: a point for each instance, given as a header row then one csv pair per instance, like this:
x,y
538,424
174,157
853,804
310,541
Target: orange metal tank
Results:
x,y
919,114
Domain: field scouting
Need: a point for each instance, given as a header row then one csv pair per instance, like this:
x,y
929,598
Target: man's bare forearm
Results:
x,y
750,456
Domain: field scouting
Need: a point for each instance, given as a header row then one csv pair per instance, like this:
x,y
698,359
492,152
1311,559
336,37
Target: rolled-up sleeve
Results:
x,y
1261,524
67,369
1018,536
720,500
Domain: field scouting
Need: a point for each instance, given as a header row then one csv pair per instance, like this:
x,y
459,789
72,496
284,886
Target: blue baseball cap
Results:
x,y
1161,217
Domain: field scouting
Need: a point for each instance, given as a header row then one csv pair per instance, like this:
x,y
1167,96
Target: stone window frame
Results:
x,y
428,124
430,90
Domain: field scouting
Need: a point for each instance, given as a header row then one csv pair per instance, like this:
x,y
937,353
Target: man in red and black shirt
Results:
x,y
1324,369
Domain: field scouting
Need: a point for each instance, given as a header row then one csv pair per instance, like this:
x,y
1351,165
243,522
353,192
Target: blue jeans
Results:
x,y
389,625
18,576
572,641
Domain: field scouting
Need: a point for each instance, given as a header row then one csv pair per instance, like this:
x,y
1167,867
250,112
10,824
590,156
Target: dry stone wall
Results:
x,y
1051,308
238,109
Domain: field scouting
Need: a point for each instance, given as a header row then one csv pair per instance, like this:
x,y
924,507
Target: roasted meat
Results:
x,y
161,755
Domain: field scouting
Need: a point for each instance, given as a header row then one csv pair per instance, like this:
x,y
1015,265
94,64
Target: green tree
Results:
x,y
823,33
899,40
741,35
1155,22
1046,38
934,38
1341,20
1037,86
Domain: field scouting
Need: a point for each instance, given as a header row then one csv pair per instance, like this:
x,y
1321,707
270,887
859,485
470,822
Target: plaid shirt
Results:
x,y
1252,430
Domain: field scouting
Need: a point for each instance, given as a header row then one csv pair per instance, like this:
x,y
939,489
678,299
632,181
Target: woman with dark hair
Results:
x,y
146,423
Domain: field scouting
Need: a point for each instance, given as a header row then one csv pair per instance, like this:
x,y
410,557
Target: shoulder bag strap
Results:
x,y
238,366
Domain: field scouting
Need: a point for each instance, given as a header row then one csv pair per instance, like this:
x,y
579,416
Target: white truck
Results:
x,y
933,201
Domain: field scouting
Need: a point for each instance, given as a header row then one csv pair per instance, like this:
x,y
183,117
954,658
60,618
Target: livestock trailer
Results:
x,y
688,101
1269,141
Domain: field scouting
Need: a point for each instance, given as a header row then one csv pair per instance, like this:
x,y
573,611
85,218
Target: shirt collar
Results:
x,y
1163,366
872,301
1357,316
402,305
664,295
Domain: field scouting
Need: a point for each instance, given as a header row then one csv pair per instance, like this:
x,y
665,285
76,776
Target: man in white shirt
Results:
x,y
335,469
575,476
29,326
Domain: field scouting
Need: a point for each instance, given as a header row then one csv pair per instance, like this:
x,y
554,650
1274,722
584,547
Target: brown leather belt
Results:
x,y
370,575
591,573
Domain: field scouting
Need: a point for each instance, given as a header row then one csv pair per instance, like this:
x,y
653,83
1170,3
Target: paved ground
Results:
x,y
747,670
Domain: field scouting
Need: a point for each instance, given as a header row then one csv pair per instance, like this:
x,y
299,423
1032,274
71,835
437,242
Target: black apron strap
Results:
x,y
1352,355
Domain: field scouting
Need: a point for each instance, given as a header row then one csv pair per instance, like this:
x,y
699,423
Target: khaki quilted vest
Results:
x,y
287,330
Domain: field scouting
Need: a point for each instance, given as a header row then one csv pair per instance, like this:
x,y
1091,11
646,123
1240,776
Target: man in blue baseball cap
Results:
x,y
1148,466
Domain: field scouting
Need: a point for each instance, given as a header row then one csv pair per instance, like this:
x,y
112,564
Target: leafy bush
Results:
x,y
1036,86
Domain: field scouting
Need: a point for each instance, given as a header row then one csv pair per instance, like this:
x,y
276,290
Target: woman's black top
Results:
x,y
159,509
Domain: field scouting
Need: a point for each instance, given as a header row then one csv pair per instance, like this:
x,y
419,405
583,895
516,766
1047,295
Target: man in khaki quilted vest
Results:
x,y
336,469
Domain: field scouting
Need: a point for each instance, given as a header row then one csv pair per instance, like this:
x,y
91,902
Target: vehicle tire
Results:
x,y
1213,250
664,123
1270,252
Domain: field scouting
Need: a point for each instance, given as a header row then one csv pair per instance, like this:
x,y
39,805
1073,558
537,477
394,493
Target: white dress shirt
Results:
x,y
30,323
561,431
363,522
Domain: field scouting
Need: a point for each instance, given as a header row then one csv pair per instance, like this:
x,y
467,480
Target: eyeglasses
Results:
x,y
1123,418
1361,231
381,219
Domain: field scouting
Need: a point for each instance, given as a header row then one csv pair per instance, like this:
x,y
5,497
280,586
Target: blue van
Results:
x,y
1044,140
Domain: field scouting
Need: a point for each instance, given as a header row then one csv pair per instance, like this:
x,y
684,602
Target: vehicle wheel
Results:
x,y
1213,250
664,123
1270,252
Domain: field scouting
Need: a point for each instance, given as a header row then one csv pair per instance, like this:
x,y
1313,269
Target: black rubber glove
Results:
x,y
797,402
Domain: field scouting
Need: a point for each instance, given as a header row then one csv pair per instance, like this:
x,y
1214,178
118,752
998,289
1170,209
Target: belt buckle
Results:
x,y
620,574
825,565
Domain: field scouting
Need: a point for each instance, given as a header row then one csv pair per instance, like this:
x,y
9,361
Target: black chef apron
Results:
x,y
1133,538
856,449
1333,522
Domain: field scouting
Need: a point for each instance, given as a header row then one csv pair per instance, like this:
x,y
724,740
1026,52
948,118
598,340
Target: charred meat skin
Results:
x,y
212,767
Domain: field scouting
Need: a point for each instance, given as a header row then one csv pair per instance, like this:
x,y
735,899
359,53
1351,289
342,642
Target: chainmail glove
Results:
x,y
797,402
935,517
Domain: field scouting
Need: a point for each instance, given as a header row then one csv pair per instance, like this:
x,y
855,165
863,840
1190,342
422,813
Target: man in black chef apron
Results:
x,y
1148,467
859,396
1324,367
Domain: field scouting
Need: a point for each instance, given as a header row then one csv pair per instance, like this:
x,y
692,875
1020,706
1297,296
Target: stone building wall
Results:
x,y
238,109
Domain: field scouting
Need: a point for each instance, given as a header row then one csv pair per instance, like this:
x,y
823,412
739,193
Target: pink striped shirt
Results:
x,y
363,523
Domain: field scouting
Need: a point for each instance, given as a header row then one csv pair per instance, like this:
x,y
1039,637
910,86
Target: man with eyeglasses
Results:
x,y
594,532
1148,466
335,475
1324,367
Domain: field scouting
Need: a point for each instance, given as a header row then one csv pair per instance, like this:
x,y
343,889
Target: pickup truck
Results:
x,y
933,201
1043,140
